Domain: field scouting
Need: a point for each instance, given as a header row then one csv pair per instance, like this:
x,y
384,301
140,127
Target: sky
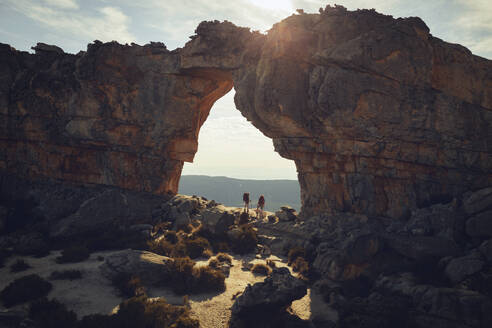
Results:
x,y
228,144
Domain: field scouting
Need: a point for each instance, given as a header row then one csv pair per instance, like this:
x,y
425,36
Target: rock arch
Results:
x,y
379,116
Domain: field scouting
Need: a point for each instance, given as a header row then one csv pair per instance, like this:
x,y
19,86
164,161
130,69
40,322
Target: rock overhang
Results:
x,y
379,116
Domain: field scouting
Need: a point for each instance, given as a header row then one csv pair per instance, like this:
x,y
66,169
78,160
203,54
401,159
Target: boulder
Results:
x,y
459,268
149,267
439,307
286,213
480,225
421,247
478,201
270,297
216,220
102,210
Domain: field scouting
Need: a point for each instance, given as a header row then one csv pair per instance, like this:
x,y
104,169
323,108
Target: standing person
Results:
x,y
261,205
246,202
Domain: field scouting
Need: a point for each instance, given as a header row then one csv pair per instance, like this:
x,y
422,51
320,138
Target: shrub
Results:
x,y
190,247
261,269
161,247
295,253
207,253
141,312
208,279
186,278
19,265
213,263
246,241
187,228
51,314
74,254
223,257
221,246
25,289
128,285
171,236
66,275
301,265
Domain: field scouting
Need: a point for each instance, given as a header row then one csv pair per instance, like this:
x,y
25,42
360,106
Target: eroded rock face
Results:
x,y
379,116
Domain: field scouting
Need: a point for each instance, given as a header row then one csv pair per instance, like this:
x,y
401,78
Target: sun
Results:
x,y
282,5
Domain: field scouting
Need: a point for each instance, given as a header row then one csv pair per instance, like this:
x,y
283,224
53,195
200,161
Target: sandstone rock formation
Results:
x,y
379,116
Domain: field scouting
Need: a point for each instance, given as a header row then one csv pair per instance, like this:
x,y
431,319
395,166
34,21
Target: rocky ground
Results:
x,y
432,269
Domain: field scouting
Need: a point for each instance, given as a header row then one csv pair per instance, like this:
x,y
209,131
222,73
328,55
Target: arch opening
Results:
x,y
234,157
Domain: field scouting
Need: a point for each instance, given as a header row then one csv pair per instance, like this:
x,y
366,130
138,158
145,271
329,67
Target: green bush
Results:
x,y
246,241
25,289
19,265
74,254
128,285
51,314
261,269
66,275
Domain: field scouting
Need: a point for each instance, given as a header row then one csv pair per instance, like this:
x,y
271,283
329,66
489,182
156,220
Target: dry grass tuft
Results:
x,y
261,269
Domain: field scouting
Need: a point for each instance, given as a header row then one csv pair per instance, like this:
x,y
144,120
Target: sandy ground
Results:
x,y
91,294
94,293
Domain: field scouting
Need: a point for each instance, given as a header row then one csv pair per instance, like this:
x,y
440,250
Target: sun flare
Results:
x,y
282,5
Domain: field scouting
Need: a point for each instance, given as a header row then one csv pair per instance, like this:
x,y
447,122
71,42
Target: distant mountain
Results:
x,y
229,191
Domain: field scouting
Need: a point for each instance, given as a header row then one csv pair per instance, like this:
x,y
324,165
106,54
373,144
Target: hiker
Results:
x,y
261,205
246,202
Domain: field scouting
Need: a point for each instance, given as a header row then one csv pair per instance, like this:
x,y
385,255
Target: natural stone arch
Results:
x,y
379,116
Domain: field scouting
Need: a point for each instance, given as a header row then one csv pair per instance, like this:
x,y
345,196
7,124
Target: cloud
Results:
x,y
177,20
65,4
106,23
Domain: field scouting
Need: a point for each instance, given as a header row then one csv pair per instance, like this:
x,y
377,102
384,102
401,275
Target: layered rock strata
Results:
x,y
379,116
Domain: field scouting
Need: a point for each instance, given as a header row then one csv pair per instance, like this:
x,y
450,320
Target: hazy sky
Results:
x,y
228,144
